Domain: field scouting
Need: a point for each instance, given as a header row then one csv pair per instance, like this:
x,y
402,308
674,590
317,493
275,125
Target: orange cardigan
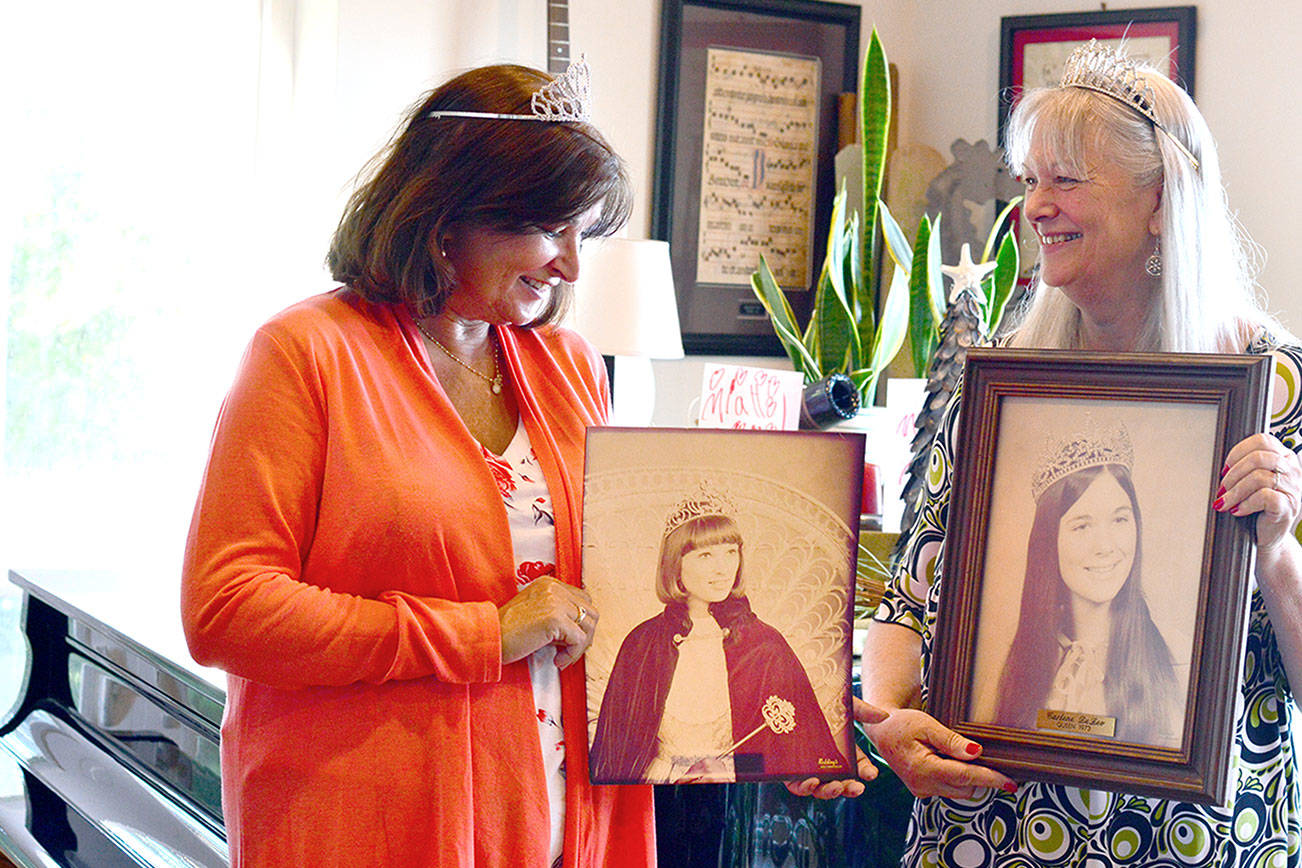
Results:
x,y
347,555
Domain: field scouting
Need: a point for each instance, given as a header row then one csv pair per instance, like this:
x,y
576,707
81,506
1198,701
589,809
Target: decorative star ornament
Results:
x,y
967,274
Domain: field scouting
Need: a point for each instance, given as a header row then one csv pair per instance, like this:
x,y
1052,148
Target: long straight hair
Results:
x,y
1139,686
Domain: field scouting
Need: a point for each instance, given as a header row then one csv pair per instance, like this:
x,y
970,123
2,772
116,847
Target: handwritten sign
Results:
x,y
734,396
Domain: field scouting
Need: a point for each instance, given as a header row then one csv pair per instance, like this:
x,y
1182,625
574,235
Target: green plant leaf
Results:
x,y
783,320
998,227
829,278
875,122
832,331
897,243
936,277
1007,265
864,315
894,325
865,322
922,323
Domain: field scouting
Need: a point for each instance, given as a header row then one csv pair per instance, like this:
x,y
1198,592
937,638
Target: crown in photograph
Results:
x,y
566,98
697,505
1094,446
1111,72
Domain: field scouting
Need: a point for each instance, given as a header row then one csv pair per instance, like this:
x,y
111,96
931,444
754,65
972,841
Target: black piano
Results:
x,y
109,756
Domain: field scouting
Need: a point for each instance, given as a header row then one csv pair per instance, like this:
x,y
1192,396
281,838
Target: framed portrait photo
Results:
x,y
722,564
1092,620
747,131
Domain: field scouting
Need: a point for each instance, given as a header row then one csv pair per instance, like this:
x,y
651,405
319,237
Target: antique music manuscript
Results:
x,y
758,162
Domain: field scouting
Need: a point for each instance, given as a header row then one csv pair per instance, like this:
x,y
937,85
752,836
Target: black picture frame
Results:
x,y
728,319
1185,411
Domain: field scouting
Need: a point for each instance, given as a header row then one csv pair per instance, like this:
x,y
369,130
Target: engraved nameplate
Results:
x,y
1077,722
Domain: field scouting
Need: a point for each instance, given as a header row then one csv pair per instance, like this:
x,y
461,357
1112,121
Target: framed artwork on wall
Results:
x,y
1092,622
746,139
1033,48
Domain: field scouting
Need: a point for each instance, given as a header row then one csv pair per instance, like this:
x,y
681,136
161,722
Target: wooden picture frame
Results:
x,y
735,551
1028,417
726,318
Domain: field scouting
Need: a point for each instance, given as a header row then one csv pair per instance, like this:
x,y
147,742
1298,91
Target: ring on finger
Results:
x,y
583,613
1275,484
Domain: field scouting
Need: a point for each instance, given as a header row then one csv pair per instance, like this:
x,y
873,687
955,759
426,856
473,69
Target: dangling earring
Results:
x,y
1154,264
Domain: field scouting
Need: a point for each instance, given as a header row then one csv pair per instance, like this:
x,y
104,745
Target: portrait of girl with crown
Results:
x,y
661,720
1085,641
723,654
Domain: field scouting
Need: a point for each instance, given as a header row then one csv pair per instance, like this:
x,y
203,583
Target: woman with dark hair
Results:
x,y
661,720
1085,641
384,556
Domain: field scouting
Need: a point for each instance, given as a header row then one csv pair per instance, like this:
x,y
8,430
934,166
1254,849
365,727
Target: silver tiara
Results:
x,y
697,505
1094,446
565,98
1110,72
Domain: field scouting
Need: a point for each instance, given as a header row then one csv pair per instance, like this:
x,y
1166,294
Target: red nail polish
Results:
x,y
1221,492
1218,503
1234,510
1225,468
972,749
1010,787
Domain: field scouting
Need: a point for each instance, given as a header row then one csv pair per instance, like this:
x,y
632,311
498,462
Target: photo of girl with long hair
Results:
x,y
1085,641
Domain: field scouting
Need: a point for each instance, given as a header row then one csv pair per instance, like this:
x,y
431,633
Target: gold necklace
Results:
x,y
494,382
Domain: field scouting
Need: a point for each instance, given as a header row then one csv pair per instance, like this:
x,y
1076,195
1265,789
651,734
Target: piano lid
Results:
x,y
144,611
116,736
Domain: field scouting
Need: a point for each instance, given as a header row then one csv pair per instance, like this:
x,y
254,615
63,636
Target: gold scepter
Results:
x,y
779,716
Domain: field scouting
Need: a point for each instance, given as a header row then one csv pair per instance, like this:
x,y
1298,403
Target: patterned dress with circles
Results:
x,y
1048,824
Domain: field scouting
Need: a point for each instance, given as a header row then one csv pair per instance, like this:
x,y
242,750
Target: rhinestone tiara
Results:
x,y
698,504
566,98
1094,446
1110,72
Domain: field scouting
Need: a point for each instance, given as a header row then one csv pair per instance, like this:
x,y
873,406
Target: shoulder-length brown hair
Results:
x,y
698,533
507,175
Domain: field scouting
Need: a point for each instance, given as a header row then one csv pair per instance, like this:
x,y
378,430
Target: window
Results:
x,y
138,232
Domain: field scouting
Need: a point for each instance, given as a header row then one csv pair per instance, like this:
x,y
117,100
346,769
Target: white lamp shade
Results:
x,y
624,300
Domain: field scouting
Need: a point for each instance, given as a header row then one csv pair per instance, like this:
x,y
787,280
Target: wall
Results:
x,y
947,80
948,76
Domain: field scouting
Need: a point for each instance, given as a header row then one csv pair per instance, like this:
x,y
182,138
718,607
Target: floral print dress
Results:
x,y
1048,824
533,535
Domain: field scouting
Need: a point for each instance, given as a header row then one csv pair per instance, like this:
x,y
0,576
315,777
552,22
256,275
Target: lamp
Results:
x,y
624,303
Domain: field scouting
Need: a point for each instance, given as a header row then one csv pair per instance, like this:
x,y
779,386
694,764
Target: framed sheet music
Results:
x,y
721,564
746,140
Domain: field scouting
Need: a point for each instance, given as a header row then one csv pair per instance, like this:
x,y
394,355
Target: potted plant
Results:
x,y
843,335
